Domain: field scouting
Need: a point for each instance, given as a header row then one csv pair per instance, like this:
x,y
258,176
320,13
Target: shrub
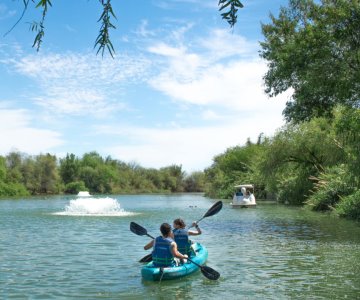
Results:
x,y
75,187
349,206
330,187
13,189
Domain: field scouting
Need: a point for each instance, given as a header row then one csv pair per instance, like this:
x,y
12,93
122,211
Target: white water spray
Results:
x,y
90,206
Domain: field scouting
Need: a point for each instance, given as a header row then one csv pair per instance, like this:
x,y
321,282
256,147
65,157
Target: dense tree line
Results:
x,y
313,49
315,163
22,175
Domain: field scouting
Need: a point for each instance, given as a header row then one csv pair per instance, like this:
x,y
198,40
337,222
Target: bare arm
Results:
x,y
176,253
198,230
149,245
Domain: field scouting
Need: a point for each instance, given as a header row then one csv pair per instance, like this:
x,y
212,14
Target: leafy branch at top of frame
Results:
x,y
230,8
35,26
39,27
103,40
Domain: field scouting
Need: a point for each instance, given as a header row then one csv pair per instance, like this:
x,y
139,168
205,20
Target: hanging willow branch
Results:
x,y
103,40
231,14
26,3
39,27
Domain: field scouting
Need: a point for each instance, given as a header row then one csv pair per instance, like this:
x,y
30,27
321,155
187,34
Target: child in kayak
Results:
x,y
181,235
165,248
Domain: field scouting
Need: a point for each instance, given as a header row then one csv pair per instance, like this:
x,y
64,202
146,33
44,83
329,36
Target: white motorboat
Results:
x,y
84,194
244,196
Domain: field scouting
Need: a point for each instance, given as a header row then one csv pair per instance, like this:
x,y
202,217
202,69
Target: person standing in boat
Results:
x,y
181,235
164,248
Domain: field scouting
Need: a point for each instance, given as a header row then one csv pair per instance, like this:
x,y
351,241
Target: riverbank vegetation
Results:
x,y
313,50
315,164
22,175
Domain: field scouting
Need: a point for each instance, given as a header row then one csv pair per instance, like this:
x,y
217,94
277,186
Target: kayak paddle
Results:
x,y
139,230
213,210
208,272
146,258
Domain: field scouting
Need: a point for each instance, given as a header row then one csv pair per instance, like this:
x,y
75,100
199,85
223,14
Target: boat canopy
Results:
x,y
247,186
84,194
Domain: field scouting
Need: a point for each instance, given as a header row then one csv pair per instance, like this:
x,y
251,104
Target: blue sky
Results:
x,y
182,88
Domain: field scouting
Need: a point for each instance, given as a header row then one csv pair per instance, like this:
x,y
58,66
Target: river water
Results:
x,y
68,248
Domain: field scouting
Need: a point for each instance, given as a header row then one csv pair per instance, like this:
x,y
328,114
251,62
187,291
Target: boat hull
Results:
x,y
151,273
243,205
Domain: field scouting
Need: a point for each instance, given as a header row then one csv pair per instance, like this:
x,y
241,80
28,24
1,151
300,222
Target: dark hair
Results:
x,y
165,229
180,222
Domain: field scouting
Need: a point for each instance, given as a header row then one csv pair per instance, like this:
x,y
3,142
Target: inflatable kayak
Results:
x,y
152,273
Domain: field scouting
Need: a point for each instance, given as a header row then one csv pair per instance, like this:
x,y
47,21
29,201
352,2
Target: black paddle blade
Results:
x,y
147,258
137,229
210,273
214,209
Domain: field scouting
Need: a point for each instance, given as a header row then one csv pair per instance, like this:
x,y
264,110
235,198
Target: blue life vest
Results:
x,y
181,237
161,255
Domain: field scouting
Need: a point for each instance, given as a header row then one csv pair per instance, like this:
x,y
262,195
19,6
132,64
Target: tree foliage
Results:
x,y
21,174
313,49
236,165
229,9
314,163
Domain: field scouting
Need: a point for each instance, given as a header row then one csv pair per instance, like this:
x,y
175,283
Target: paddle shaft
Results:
x,y
196,264
213,210
150,236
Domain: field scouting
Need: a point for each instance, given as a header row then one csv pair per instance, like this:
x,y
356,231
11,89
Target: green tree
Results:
x,y
173,177
46,168
297,153
69,168
2,168
313,49
195,182
235,166
75,187
13,163
92,159
347,126
30,175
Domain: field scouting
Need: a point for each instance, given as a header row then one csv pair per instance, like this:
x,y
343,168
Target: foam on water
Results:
x,y
94,207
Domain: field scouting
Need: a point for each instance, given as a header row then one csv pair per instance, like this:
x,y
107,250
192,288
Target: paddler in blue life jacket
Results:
x,y
181,235
165,248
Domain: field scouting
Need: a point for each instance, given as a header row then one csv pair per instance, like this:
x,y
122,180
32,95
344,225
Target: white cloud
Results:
x,y
210,115
193,147
236,86
223,44
225,73
17,133
81,83
227,86
78,102
143,31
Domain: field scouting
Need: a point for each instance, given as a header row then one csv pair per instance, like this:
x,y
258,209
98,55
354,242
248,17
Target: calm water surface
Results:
x,y
60,248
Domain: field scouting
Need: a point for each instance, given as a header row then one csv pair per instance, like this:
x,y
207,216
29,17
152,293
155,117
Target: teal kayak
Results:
x,y
152,273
